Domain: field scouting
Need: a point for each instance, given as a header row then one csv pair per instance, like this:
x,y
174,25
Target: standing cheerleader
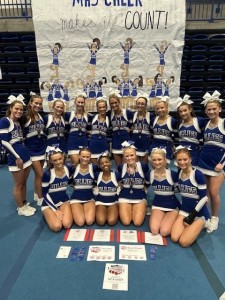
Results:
x,y
194,213
190,130
55,205
19,161
77,121
35,142
121,123
162,51
132,197
165,205
163,128
82,199
55,125
99,128
106,192
212,156
141,128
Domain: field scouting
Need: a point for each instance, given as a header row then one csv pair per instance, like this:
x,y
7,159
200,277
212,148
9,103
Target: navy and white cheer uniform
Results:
x,y
35,139
55,132
54,188
83,185
213,151
107,190
120,126
11,137
193,190
190,136
77,138
141,133
133,184
164,191
163,136
98,142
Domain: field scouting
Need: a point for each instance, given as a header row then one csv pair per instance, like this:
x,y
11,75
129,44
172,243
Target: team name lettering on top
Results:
x,y
137,181
16,133
187,189
188,133
83,181
107,189
213,137
161,131
162,188
54,186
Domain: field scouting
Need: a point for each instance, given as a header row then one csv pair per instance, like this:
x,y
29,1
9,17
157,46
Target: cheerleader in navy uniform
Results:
x,y
190,130
121,123
141,128
126,61
164,127
212,156
82,199
55,126
19,161
132,197
77,122
55,206
165,204
36,142
162,51
106,192
98,142
194,214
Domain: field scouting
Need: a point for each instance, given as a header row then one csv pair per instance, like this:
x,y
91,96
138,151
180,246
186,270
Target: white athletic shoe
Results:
x,y
212,224
31,208
35,197
25,211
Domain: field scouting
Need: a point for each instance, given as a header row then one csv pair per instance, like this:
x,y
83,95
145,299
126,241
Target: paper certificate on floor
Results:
x,y
132,252
102,235
149,238
77,235
101,253
116,277
128,236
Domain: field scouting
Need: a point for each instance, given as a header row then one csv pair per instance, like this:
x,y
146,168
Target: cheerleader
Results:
x,y
165,205
212,157
162,51
55,206
82,199
55,125
121,123
190,130
194,213
106,192
141,128
98,142
35,142
19,161
163,128
77,121
132,197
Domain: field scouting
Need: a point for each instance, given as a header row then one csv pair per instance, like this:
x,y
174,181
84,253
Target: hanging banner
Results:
x,y
135,46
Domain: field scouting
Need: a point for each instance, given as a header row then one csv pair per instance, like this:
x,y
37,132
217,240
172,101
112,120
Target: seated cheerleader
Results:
x,y
132,197
106,190
82,199
165,205
55,206
194,213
